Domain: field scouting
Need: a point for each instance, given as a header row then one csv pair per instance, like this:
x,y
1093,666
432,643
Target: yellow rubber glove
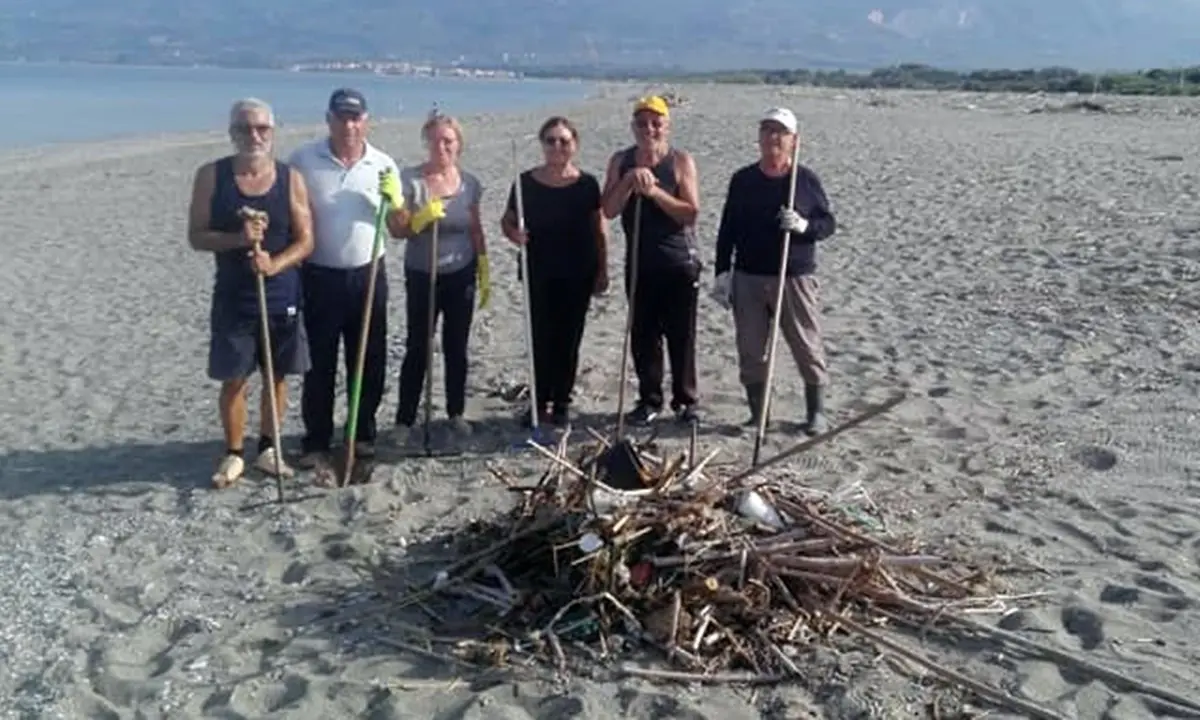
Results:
x,y
483,278
389,188
431,211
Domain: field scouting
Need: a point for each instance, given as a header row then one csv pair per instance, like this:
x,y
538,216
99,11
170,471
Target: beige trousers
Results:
x,y
799,325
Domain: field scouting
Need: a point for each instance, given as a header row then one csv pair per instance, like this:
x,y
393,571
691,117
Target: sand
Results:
x,y
1030,280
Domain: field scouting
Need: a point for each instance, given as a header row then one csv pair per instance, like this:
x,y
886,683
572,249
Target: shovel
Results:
x,y
344,463
621,465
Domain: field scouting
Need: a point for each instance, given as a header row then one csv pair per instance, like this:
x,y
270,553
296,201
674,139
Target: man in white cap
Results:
x,y
347,178
748,256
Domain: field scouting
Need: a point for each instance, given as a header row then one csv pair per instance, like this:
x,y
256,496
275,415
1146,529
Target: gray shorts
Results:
x,y
235,348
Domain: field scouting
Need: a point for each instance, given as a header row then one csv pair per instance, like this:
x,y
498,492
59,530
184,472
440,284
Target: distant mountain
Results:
x,y
689,34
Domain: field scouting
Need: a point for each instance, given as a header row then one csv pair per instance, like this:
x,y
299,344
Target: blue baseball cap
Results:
x,y
347,101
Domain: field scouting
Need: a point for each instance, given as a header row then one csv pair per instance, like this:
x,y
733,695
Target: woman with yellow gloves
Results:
x,y
440,192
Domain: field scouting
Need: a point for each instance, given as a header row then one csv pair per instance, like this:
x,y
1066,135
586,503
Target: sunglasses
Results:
x,y
556,140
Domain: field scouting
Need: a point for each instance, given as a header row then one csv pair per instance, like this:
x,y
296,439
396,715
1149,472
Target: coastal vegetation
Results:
x,y
1157,81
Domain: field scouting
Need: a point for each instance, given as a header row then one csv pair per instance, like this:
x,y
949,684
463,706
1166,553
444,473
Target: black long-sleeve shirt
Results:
x,y
749,239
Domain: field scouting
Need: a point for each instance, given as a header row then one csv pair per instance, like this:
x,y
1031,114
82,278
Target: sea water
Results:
x,y
43,103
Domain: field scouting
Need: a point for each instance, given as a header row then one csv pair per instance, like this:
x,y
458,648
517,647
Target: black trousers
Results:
x,y
559,308
334,299
455,302
664,308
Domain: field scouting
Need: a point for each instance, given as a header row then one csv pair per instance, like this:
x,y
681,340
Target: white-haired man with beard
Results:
x,y
252,178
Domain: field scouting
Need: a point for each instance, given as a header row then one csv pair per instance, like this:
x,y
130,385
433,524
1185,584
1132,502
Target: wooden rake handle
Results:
x,y
250,215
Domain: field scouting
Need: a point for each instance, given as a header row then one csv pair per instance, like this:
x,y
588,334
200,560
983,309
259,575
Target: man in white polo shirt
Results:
x,y
343,174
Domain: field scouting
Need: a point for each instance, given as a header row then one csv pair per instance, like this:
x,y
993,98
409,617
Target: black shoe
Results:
x,y
643,414
815,423
754,398
560,414
687,414
527,418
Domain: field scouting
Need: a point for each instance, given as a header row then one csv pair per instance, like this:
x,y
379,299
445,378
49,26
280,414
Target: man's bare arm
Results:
x,y
301,245
199,236
617,189
686,207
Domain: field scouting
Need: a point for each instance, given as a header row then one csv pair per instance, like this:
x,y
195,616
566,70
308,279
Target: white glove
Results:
x,y
722,290
790,221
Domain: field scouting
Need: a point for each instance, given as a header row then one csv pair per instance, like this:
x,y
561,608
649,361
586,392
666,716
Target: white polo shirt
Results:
x,y
344,201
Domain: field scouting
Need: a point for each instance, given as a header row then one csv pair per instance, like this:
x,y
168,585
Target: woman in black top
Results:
x,y
566,249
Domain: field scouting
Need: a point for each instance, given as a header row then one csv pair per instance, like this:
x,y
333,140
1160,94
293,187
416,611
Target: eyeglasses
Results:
x,y
246,129
647,124
556,140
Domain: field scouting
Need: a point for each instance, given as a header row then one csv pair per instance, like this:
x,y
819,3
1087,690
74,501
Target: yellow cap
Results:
x,y
654,104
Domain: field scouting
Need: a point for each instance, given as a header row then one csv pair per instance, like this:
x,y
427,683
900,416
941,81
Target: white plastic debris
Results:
x,y
590,542
754,507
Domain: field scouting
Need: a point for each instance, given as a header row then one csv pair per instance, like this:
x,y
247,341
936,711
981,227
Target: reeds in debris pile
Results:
x,y
728,577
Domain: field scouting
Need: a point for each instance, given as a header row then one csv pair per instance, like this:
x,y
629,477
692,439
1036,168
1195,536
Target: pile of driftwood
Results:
x,y
618,545
730,578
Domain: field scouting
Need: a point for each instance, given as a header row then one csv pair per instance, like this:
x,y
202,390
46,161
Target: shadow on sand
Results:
x,y
190,464
175,463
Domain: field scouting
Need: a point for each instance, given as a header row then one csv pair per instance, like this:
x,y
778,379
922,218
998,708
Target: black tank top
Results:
x,y
235,284
663,243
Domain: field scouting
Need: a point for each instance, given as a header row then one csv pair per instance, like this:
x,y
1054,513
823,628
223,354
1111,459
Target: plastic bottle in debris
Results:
x,y
755,507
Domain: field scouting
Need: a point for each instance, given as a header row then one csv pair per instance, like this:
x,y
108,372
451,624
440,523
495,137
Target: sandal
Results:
x,y
229,471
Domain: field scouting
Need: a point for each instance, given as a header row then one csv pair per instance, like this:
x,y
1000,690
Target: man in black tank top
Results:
x,y
253,178
663,179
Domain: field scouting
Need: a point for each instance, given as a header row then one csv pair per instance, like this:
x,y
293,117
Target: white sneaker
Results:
x,y
265,463
229,471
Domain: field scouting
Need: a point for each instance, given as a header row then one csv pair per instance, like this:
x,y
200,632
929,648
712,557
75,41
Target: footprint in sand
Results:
x,y
1096,458
295,574
1085,625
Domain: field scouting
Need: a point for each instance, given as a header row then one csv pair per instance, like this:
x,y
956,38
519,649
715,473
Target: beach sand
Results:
x,y
1029,279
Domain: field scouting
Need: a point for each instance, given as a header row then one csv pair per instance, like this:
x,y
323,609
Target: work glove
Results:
x,y
483,278
389,188
790,221
722,290
427,215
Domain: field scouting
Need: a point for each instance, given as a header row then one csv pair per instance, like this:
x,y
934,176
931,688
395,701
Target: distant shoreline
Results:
x,y
1173,81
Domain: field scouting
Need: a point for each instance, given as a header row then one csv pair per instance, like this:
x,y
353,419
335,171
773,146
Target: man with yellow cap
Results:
x,y
662,179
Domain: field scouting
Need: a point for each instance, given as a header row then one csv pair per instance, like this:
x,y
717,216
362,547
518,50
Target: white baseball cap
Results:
x,y
783,116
